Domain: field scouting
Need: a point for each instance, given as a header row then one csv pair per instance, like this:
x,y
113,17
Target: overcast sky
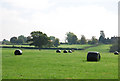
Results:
x,y
56,17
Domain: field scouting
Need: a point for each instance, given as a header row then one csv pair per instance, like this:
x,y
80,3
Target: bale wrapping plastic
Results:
x,y
18,52
93,56
116,53
58,51
65,51
70,51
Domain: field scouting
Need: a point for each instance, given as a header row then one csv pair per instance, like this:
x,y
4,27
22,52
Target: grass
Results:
x,y
74,46
18,45
47,64
61,46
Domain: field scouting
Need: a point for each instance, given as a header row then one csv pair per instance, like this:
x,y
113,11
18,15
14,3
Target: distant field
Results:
x,y
47,64
61,46
74,46
18,45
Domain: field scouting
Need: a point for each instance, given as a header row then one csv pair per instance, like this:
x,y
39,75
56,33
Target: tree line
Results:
x,y
72,39
40,40
36,38
116,45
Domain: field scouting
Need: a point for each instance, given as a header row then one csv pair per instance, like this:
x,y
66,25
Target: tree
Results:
x,y
94,40
116,45
78,41
114,39
20,41
89,42
5,41
13,40
71,38
108,41
74,39
38,39
53,41
56,43
28,39
50,44
52,38
102,37
114,48
23,38
102,33
83,40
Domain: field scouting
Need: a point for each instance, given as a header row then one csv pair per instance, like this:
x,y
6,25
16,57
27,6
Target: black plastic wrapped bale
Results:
x,y
18,52
70,51
93,56
65,51
58,51
116,53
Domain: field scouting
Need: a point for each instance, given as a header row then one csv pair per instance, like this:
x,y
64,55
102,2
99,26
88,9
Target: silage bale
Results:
x,y
18,52
93,56
58,51
116,53
70,51
65,51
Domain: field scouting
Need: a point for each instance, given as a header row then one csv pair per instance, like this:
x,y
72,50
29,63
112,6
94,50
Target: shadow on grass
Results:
x,y
89,61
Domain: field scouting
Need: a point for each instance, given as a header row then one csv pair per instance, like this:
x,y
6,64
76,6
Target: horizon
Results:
x,y
66,36
57,17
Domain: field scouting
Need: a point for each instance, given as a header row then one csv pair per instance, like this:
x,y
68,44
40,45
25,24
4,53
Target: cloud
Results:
x,y
87,20
38,15
12,24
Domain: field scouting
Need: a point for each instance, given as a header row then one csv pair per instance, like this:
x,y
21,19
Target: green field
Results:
x,y
47,64
74,46
18,45
61,46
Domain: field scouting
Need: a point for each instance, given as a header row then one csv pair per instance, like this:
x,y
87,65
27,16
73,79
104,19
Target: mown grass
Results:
x,y
47,64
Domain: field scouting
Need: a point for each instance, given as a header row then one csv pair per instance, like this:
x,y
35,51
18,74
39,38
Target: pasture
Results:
x,y
74,46
61,46
47,64
17,45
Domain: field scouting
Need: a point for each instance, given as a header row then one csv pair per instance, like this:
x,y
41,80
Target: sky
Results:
x,y
57,17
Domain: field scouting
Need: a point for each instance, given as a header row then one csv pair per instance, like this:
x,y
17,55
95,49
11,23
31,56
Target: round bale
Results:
x,y
58,51
116,53
93,56
65,51
70,51
18,52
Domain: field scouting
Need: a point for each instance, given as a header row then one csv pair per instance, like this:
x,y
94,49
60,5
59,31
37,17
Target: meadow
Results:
x,y
47,64
61,46
74,46
17,45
